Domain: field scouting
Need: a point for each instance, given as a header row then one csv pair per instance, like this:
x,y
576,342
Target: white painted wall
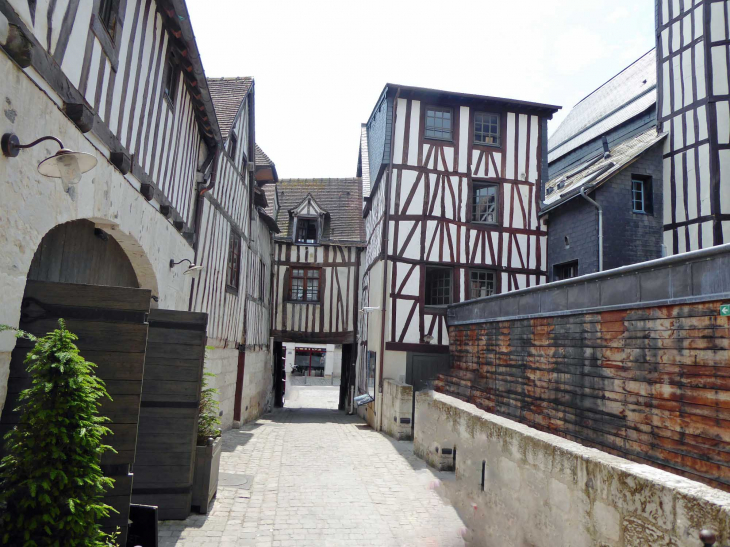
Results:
x,y
33,204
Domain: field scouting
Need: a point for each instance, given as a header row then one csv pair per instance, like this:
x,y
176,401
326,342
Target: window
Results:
x,y
641,195
232,145
304,285
170,80
306,231
438,286
484,203
438,123
233,266
482,283
486,128
108,16
565,271
262,278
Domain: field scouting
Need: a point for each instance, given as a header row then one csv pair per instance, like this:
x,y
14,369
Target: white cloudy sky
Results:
x,y
320,65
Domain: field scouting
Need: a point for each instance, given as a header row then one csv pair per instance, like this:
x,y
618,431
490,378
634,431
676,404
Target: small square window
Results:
x,y
438,286
306,231
438,123
171,79
484,204
482,283
305,285
486,129
565,271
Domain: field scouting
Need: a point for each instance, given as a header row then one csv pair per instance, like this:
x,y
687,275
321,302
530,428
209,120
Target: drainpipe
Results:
x,y
600,227
384,250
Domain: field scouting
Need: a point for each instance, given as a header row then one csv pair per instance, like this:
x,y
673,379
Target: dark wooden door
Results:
x,y
112,329
239,386
421,370
163,470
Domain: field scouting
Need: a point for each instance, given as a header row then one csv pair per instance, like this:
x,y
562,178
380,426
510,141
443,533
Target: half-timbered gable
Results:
x,y
694,108
455,193
316,259
133,79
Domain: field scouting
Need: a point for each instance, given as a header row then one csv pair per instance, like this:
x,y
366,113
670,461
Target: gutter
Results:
x,y
600,226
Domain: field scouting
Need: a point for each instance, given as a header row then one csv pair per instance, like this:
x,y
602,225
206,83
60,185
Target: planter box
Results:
x,y
205,479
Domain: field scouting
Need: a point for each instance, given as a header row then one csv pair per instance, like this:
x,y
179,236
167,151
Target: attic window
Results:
x,y
306,231
561,185
550,191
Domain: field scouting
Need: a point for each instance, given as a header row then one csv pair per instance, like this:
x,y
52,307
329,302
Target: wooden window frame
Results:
x,y
172,74
232,145
305,279
425,121
470,271
498,144
233,263
427,291
498,212
108,32
647,194
569,263
295,236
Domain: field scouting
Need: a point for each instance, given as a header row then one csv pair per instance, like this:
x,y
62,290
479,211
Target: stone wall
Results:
x,y
224,364
516,486
257,395
633,361
397,409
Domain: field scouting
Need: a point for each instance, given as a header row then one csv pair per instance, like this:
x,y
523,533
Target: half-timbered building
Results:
x,y
603,202
234,250
693,106
316,270
452,215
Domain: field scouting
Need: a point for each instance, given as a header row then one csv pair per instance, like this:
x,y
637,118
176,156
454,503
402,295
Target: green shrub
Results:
x,y
51,484
208,421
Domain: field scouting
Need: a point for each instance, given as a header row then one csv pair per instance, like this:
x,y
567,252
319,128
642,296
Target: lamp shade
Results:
x,y
65,163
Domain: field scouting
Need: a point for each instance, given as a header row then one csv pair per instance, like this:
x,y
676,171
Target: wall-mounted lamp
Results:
x,y
428,339
192,268
65,164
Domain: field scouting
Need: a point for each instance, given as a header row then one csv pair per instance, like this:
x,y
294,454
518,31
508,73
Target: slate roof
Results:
x,y
363,167
594,173
340,198
227,95
261,157
627,94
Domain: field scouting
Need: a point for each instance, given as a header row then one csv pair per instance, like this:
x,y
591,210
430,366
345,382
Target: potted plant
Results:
x,y
51,484
208,449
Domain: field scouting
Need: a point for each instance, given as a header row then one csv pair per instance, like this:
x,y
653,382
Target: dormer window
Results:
x,y
306,231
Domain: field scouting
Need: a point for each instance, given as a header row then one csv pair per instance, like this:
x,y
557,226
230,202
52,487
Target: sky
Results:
x,y
320,65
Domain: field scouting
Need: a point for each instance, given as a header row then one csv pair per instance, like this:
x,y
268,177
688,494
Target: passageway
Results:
x,y
309,475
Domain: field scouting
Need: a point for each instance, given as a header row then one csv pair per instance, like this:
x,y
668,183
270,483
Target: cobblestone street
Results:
x,y
318,477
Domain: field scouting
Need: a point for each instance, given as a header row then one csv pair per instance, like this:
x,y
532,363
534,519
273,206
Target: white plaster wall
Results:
x,y
224,364
33,204
543,490
257,395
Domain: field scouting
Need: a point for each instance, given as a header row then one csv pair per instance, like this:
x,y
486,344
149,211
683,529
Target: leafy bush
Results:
x,y
51,483
208,421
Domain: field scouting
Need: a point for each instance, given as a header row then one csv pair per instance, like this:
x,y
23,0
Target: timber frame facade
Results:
x,y
431,234
693,105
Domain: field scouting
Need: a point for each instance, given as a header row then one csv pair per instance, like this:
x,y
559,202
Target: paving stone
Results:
x,y
316,476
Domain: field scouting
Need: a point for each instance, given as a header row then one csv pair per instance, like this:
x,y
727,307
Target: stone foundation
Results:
x,y
397,409
516,486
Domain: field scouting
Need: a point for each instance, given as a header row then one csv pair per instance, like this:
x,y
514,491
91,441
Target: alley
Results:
x,y
309,475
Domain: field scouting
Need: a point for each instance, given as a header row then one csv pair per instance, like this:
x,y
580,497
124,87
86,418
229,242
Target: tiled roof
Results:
x,y
261,157
227,95
627,94
340,198
594,173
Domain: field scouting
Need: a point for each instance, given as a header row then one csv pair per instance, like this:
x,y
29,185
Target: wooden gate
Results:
x,y
163,470
111,325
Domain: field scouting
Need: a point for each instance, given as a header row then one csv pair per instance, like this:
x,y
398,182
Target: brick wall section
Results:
x,y
628,237
651,384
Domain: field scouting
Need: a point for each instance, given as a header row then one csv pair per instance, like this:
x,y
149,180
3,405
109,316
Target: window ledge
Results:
x,y
231,290
435,310
312,302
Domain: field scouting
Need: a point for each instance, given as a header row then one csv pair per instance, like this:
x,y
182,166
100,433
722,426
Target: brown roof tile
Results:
x,y
227,95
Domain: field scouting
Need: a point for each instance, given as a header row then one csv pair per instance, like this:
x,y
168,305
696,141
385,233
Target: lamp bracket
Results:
x,y
11,145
